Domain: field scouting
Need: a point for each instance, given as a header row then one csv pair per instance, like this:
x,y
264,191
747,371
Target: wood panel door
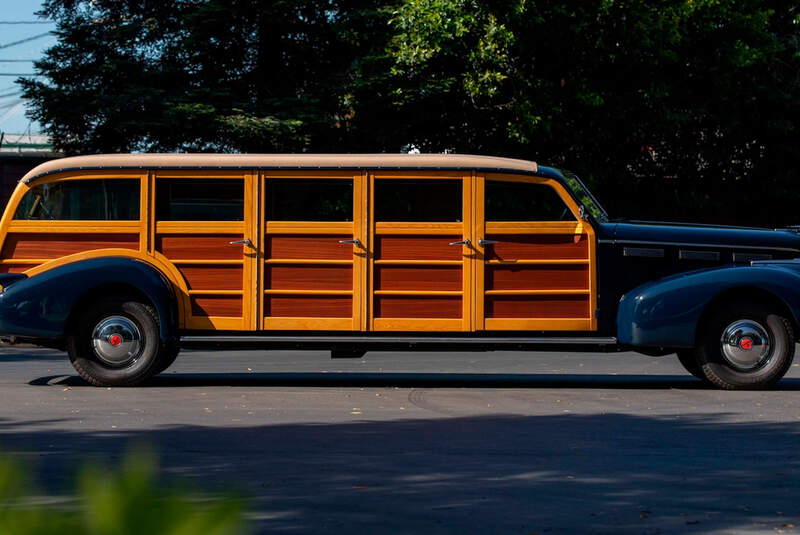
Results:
x,y
535,267
421,252
204,223
315,249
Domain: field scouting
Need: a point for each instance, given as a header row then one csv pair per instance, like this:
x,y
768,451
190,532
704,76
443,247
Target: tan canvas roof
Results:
x,y
296,161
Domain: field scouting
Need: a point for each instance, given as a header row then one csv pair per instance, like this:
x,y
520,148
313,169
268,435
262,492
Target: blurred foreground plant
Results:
x,y
128,501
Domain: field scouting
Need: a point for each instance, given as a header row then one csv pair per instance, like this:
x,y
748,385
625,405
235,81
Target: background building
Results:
x,y
19,153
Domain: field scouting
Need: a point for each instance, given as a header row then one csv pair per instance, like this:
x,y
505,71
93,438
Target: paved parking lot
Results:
x,y
515,443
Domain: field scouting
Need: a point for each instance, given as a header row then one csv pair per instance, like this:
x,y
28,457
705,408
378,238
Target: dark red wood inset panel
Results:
x,y
388,277
537,306
412,306
308,306
308,277
217,305
398,247
206,277
538,247
16,268
537,277
308,247
56,245
199,246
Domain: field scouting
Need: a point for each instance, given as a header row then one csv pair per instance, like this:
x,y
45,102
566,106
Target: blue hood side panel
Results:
x,y
666,312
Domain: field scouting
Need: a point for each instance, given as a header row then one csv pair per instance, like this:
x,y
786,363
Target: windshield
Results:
x,y
584,196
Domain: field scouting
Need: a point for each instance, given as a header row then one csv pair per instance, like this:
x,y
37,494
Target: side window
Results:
x,y
82,200
199,199
309,200
524,201
426,200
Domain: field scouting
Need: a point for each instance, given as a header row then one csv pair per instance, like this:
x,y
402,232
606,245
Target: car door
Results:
x,y
203,224
314,247
535,265
421,253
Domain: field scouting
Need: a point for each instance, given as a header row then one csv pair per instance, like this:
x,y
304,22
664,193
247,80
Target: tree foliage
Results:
x,y
670,108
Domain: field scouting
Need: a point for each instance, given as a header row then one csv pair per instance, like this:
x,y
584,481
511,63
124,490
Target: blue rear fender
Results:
x,y
40,307
666,312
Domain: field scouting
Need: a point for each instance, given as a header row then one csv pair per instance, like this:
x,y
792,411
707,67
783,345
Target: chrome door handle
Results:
x,y
462,242
355,242
483,242
245,241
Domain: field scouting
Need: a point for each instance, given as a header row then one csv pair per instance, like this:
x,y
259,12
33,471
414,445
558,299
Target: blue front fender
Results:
x,y
666,312
40,306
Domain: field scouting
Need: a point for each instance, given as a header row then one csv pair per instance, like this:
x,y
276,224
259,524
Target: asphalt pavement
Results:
x,y
504,442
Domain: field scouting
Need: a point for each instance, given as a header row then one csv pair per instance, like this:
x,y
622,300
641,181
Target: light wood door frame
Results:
x,y
355,229
444,229
186,230
576,228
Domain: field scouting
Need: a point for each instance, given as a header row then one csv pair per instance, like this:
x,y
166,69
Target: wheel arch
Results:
x,y
44,305
670,312
105,290
748,292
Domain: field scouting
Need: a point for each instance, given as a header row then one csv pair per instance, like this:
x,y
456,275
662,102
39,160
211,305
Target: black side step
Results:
x,y
347,339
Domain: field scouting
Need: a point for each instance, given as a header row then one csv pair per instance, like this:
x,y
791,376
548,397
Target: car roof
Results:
x,y
284,161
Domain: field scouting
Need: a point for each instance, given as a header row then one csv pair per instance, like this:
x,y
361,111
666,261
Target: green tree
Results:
x,y
212,75
695,101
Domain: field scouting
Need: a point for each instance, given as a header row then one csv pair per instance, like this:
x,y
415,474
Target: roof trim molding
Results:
x,y
320,162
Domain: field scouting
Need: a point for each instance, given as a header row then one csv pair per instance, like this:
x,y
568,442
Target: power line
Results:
x,y
26,22
25,40
16,60
20,74
13,93
12,105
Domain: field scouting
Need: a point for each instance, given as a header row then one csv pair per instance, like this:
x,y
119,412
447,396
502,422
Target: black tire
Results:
x,y
688,358
129,370
721,369
166,358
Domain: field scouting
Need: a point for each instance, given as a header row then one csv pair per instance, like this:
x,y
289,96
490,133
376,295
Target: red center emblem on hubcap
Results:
x,y
115,340
746,344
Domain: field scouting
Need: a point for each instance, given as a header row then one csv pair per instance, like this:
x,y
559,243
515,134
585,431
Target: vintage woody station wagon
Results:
x,y
122,259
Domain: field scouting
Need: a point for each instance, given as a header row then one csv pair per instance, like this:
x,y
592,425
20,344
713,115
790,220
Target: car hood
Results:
x,y
700,235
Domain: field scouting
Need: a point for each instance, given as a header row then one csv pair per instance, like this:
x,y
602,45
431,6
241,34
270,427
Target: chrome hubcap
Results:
x,y
745,345
116,341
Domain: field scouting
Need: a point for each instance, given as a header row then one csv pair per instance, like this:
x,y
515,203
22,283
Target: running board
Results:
x,y
578,340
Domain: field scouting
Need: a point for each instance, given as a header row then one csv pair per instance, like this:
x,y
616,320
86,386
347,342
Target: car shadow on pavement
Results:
x,y
417,380
499,473
8,354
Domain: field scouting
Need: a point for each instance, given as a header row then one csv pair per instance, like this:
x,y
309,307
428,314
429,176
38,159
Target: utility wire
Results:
x,y
9,106
20,74
16,60
26,21
13,93
39,36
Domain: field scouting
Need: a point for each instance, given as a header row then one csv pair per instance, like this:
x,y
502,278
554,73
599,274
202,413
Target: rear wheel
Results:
x,y
166,358
745,345
688,358
115,342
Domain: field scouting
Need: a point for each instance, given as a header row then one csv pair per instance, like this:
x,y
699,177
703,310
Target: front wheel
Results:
x,y
115,342
688,359
745,346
